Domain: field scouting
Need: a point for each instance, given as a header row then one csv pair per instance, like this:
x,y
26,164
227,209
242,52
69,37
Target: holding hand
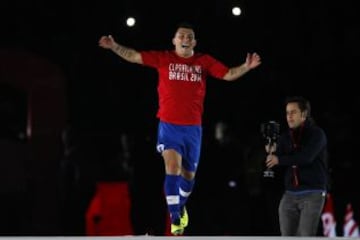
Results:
x,y
271,160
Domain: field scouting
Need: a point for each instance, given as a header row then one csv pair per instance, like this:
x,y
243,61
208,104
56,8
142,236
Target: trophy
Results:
x,y
270,132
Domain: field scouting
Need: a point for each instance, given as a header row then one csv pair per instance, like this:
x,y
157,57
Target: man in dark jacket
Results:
x,y
302,151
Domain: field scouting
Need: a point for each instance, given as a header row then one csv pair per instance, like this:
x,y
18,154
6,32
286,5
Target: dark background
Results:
x,y
96,113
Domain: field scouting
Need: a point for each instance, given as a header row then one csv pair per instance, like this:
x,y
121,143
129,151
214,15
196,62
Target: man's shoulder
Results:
x,y
318,132
317,128
202,55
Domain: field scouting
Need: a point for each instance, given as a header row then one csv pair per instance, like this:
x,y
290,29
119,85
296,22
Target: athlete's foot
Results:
x,y
184,217
177,228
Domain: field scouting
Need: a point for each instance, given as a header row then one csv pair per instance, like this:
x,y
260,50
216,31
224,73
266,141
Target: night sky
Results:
x,y
308,48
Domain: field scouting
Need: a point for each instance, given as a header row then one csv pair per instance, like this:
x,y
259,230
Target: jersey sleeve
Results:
x,y
151,58
216,68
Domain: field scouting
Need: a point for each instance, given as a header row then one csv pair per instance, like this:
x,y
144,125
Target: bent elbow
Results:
x,y
228,77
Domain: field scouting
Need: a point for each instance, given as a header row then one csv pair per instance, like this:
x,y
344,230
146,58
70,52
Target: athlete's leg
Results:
x,y
180,148
186,185
172,160
190,163
187,181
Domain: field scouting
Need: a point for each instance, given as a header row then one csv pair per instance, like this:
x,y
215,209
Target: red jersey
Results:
x,y
182,84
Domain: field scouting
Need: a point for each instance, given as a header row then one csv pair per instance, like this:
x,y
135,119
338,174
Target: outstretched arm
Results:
x,y
126,53
252,61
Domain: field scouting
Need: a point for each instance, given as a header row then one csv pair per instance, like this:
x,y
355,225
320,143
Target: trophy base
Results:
x,y
269,173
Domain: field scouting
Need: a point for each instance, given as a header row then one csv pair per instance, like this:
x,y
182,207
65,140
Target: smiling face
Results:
x,y
294,116
184,42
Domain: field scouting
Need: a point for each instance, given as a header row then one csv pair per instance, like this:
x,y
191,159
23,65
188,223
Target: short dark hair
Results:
x,y
302,102
185,24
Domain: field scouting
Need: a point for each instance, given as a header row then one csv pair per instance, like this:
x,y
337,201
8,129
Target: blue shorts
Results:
x,y
185,139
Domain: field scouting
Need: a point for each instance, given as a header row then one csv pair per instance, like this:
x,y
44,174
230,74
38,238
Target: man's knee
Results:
x,y
187,174
172,161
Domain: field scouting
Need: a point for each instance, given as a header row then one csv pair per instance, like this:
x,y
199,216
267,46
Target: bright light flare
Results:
x,y
130,21
236,11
